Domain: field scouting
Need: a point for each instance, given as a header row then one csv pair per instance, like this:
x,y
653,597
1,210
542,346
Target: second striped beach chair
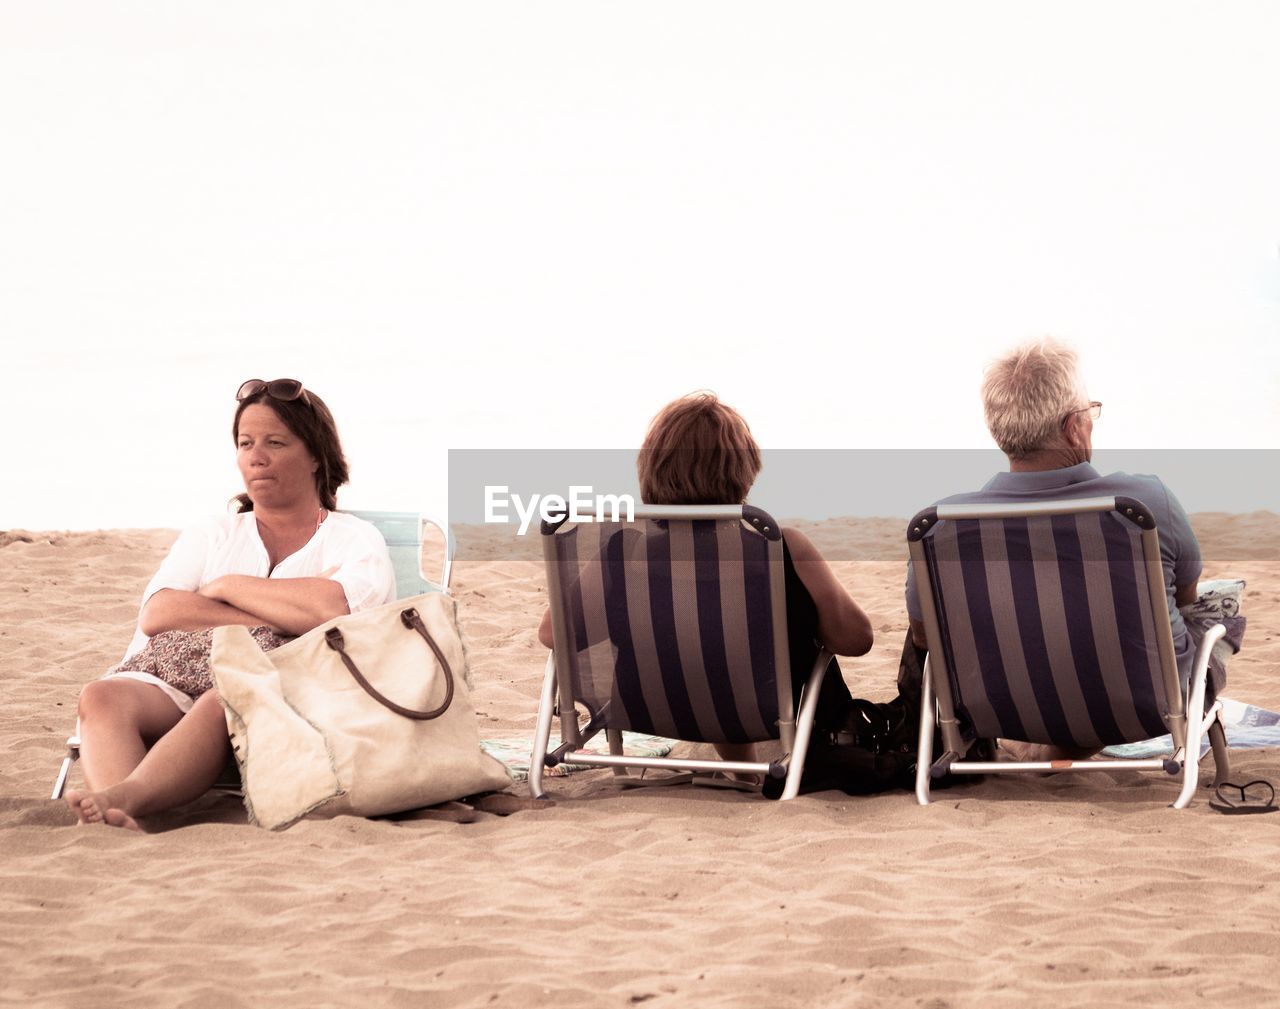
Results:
x,y
674,625
1049,622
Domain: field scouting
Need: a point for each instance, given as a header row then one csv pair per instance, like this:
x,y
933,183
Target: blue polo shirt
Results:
x,y
1179,551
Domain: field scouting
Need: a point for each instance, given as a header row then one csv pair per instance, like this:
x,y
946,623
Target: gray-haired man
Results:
x,y
1041,418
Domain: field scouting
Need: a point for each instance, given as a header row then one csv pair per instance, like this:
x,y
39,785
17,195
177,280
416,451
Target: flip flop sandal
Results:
x,y
1254,797
451,812
504,803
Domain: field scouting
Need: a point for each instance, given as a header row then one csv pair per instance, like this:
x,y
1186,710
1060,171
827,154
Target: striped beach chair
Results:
x,y
1049,622
673,624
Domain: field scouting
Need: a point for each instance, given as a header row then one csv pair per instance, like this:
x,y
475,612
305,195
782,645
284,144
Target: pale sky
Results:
x,y
530,225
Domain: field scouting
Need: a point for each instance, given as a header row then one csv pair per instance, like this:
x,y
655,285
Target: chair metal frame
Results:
x,y
1188,722
391,525
794,732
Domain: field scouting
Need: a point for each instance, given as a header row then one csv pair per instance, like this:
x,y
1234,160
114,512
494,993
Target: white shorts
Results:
x,y
183,701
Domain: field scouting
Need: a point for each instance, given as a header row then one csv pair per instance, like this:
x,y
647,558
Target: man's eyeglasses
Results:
x,y
1094,410
284,389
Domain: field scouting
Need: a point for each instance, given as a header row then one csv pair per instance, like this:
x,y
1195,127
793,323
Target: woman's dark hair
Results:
x,y
697,451
309,419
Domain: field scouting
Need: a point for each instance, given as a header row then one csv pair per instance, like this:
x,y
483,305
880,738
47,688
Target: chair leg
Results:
x,y
1221,756
924,748
73,754
1195,722
804,724
542,735
60,785
614,739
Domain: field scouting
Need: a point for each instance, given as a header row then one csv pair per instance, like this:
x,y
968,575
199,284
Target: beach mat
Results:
x,y
514,752
1247,727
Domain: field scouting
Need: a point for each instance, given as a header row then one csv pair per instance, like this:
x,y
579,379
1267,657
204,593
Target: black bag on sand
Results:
x,y
875,750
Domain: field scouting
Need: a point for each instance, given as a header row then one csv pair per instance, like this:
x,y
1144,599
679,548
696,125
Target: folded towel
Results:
x,y
1247,727
514,752
1218,602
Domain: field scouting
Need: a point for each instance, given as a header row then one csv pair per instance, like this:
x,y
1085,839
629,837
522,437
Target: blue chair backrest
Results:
x,y
403,533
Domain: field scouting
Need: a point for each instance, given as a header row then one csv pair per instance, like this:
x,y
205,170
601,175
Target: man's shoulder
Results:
x,y
984,496
1015,488
1010,487
1135,480
1145,487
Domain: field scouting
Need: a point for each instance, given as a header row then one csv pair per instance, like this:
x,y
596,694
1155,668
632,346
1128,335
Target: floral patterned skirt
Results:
x,y
181,658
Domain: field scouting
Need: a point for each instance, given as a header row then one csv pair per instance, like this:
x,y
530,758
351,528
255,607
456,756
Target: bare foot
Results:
x,y
94,807
119,818
83,806
744,752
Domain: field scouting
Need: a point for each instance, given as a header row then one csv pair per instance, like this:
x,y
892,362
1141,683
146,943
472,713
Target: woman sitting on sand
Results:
x,y
700,451
284,563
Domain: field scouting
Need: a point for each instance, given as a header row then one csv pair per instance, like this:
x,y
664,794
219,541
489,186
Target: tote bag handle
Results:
x,y
411,620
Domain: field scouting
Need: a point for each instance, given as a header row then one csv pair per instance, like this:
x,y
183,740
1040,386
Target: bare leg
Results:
x,y
736,751
119,719
745,752
182,766
1034,752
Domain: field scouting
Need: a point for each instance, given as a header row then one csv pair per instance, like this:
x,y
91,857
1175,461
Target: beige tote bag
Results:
x,y
366,714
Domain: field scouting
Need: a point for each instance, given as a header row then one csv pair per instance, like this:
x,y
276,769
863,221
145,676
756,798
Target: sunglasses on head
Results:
x,y
284,389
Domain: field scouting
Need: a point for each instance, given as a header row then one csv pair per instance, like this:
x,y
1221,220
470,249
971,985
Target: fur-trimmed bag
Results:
x,y
365,714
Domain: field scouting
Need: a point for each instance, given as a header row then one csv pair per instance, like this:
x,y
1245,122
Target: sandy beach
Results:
x,y
1072,891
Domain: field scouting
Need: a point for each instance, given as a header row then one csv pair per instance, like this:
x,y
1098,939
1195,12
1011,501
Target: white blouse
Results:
x,y
230,545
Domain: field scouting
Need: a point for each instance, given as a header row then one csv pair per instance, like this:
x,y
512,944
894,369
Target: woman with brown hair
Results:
x,y
700,451
283,563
